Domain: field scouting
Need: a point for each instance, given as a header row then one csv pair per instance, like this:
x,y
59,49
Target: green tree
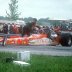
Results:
x,y
13,8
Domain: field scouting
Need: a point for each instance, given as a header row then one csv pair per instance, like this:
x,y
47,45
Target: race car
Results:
x,y
64,39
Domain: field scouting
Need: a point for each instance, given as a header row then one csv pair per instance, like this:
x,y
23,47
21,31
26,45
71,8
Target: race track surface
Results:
x,y
43,50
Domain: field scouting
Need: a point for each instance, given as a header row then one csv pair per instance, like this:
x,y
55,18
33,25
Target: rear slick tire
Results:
x,y
66,40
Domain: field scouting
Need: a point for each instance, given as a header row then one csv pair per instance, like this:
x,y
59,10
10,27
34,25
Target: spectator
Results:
x,y
5,28
29,28
11,29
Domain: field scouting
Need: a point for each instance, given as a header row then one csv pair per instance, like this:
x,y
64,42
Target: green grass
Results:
x,y
39,63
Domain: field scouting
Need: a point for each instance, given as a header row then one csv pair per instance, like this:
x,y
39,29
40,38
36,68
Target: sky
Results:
x,y
54,9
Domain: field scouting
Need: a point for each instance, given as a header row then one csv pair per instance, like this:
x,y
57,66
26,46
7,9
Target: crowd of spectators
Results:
x,y
28,29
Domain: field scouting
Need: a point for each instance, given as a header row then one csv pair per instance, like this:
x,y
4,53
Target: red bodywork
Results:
x,y
18,40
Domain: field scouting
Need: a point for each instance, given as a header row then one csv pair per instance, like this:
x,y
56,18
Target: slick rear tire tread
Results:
x,y
66,40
